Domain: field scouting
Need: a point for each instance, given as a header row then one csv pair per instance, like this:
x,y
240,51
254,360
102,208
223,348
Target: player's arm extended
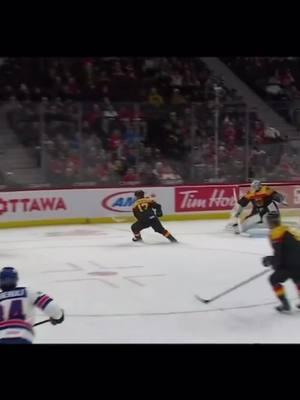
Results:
x,y
240,205
47,305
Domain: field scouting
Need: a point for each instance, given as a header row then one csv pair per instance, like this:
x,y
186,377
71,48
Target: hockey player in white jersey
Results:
x,y
17,309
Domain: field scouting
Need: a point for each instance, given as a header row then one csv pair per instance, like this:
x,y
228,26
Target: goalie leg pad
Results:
x,y
251,222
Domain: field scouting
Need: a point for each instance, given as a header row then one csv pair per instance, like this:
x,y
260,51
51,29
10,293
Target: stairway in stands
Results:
x,y
16,161
266,113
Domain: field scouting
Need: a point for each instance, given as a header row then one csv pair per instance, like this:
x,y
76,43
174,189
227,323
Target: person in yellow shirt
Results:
x,y
155,99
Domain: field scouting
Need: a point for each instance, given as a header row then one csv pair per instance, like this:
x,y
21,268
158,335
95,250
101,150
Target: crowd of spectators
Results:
x,y
132,121
275,79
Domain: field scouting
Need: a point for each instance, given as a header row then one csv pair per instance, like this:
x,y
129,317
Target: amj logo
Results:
x,y
120,201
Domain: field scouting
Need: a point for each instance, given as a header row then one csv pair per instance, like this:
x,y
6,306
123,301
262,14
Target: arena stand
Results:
x,y
131,121
275,79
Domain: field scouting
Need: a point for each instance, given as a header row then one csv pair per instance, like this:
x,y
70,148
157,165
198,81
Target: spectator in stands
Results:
x,y
70,177
57,168
131,177
287,79
115,141
177,98
165,174
109,111
118,169
155,98
132,134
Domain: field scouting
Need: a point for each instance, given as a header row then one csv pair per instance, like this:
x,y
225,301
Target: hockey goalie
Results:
x,y
263,200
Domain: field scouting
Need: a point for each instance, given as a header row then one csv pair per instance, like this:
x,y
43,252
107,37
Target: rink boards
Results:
x,y
104,205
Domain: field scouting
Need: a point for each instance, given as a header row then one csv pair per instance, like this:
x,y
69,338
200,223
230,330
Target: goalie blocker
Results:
x,y
263,200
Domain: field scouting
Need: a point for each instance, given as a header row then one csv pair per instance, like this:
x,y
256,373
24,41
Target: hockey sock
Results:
x,y
280,293
168,235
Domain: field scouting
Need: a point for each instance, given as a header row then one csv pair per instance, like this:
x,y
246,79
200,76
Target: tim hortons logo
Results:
x,y
216,200
29,205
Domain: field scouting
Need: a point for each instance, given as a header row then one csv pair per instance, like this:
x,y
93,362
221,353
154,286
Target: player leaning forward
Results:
x,y
17,306
263,199
285,260
146,218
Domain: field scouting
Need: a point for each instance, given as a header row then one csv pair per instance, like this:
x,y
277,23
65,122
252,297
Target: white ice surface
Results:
x,y
116,291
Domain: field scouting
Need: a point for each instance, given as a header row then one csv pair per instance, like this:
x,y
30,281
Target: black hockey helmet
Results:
x,y
273,219
139,194
8,278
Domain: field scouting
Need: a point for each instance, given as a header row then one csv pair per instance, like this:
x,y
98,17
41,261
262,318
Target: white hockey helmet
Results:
x,y
256,185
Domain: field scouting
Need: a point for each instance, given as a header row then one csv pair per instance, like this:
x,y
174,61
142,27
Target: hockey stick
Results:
x,y
42,322
231,225
120,220
252,278
238,218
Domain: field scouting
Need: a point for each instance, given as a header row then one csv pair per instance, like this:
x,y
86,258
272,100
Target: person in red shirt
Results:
x,y
124,114
56,168
115,140
131,177
230,132
103,172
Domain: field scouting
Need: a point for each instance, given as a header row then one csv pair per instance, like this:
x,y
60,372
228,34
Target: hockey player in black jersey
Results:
x,y
146,217
285,260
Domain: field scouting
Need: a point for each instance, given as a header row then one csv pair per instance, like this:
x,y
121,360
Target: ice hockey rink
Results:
x,y
117,291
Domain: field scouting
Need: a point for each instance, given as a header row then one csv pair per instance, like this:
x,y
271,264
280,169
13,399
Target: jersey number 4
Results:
x,y
15,311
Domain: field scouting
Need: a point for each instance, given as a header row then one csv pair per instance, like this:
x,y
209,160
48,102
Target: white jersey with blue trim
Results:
x,y
17,312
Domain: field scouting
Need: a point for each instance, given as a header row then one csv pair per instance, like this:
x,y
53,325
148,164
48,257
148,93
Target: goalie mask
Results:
x,y
256,185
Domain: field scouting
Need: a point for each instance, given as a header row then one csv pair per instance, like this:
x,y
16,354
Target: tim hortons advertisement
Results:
x,y
204,198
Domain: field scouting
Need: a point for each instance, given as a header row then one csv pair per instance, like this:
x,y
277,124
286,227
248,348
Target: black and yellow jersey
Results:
x,y
143,208
286,244
261,198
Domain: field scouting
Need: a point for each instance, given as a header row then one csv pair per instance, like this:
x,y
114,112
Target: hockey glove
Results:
x,y
159,212
58,321
267,261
